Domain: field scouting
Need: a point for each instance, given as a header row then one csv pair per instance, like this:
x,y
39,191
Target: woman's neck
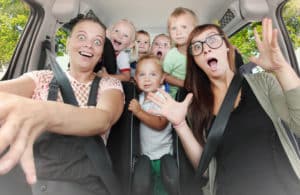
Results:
x,y
219,88
221,83
83,77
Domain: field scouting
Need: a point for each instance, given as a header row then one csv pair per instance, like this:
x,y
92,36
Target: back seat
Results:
x,y
122,143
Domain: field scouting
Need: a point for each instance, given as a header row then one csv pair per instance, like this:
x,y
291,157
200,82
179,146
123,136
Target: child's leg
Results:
x,y
158,188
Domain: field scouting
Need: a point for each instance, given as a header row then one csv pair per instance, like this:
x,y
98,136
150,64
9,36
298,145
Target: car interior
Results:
x,y
39,34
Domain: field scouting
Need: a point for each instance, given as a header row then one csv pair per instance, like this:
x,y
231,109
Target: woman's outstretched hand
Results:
x,y
174,111
20,125
270,57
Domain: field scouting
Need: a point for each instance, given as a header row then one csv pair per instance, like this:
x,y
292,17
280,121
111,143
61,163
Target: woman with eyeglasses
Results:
x,y
254,155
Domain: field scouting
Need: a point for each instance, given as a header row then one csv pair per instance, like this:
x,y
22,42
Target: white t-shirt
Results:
x,y
154,143
123,62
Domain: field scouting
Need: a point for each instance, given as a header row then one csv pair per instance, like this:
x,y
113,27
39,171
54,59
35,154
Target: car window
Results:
x,y
60,47
291,18
244,39
13,18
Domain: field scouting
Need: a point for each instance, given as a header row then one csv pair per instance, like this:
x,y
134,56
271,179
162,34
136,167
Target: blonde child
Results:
x,y
180,23
142,48
155,131
160,46
122,37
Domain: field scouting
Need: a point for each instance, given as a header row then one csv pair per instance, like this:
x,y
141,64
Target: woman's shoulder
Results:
x,y
110,83
261,78
40,75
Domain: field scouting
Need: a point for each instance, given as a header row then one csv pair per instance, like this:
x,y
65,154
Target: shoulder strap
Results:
x,y
219,124
66,89
102,164
53,90
92,101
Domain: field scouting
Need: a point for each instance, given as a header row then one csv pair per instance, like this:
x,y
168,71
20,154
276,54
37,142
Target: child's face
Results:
x,y
143,42
160,46
180,28
121,36
149,76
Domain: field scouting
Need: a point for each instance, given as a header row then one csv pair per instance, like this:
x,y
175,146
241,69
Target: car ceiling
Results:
x,y
151,15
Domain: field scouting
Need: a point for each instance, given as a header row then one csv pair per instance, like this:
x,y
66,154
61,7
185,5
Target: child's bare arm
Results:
x,y
153,121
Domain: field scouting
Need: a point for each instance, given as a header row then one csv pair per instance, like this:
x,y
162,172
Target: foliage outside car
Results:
x,y
13,18
245,42
14,15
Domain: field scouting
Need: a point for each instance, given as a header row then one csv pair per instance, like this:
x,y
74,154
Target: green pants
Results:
x,y
158,188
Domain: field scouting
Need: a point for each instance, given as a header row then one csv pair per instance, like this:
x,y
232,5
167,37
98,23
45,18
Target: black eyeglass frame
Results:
x,y
205,41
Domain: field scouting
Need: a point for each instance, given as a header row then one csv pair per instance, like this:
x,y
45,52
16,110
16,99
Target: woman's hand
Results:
x,y
21,123
270,57
174,111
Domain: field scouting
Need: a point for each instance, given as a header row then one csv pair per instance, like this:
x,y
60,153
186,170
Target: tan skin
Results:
x,y
148,73
270,59
22,119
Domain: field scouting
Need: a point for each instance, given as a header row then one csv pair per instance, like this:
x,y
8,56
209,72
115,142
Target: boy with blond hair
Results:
x,y
122,36
142,47
180,23
160,46
143,42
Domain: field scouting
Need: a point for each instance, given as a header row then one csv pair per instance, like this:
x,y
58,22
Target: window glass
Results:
x,y
61,52
14,15
291,18
244,41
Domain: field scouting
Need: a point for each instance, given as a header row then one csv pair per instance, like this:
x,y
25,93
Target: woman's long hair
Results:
x,y
200,111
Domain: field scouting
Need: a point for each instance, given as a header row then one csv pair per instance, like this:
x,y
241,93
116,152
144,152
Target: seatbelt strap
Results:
x,y
102,164
218,127
64,84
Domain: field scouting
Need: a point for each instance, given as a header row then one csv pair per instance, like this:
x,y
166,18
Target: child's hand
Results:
x,y
134,106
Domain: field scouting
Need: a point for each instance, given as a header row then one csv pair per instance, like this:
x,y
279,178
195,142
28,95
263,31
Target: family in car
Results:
x,y
254,155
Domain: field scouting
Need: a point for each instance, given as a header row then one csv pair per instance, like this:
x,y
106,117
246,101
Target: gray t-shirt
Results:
x,y
154,143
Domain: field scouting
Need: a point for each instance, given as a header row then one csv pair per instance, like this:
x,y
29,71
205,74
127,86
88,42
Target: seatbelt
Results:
x,y
63,82
95,144
219,124
46,45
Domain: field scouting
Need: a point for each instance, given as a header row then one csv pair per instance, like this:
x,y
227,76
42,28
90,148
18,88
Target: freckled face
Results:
x,y
180,27
85,45
149,76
